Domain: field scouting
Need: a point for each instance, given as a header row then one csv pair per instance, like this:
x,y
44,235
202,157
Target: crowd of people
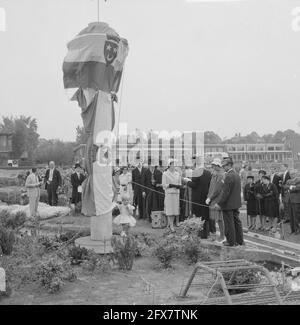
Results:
x,y
272,198
213,193
52,180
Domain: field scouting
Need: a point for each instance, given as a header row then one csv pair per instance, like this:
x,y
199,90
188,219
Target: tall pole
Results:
x,y
98,10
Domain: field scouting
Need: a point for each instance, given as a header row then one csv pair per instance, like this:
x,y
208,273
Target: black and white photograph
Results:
x,y
149,155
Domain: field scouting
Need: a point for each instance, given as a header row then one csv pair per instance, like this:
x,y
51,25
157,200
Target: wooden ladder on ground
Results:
x,y
210,275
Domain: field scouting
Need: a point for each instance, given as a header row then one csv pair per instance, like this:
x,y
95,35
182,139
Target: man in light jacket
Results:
x,y
33,189
214,194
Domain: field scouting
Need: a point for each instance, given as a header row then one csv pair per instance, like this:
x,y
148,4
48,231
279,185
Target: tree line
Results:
x,y
26,140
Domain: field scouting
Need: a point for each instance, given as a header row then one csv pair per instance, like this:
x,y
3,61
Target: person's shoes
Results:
x,y
171,229
297,232
286,221
291,232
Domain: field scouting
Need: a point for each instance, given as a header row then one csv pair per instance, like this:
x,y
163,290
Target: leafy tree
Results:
x,y
25,136
60,152
211,137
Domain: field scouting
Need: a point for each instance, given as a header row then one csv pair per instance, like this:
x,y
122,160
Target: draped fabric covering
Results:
x,y
93,67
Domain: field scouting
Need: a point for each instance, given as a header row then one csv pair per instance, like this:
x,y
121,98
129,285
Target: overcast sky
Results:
x,y
223,66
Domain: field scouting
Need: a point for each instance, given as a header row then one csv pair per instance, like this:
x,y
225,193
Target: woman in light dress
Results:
x,y
171,182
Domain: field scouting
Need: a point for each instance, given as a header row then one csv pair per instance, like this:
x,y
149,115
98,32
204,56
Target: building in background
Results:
x,y
5,148
260,154
153,147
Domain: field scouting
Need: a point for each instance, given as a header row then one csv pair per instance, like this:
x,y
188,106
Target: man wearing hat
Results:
x,y
214,193
230,202
77,179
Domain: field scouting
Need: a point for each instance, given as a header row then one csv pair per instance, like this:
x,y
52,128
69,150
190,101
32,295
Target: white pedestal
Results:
x,y
101,233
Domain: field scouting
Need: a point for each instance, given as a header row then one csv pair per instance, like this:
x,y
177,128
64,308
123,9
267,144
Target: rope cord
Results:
x,y
183,200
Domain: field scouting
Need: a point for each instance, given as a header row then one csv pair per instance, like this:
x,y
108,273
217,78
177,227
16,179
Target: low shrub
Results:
x,y
50,244
144,243
165,252
13,221
20,266
97,263
70,236
191,250
125,249
243,277
7,240
78,254
191,227
52,275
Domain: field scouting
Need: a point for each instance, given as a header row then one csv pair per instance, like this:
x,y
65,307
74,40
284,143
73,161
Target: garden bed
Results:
x,y
162,264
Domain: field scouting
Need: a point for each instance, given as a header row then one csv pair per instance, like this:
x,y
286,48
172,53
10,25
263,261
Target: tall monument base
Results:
x,y
98,246
101,233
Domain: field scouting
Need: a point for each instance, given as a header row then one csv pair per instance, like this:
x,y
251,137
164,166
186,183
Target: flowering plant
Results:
x,y
191,226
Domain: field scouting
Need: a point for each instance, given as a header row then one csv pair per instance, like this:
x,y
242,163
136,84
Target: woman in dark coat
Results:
x,y
250,198
270,202
200,186
158,197
259,200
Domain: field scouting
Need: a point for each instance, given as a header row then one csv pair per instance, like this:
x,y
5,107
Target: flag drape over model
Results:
x,y
93,66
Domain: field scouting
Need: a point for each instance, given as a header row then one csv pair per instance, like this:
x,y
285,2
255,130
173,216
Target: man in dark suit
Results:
x,y
200,185
53,181
159,194
139,192
149,187
293,188
230,202
77,179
